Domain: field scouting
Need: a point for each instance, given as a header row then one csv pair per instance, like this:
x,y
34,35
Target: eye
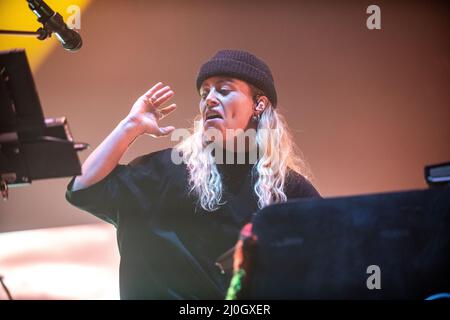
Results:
x,y
204,94
224,91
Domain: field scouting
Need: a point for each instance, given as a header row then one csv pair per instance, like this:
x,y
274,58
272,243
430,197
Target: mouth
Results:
x,y
213,116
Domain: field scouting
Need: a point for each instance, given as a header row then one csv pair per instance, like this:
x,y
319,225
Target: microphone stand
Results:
x,y
44,14
5,288
52,22
41,33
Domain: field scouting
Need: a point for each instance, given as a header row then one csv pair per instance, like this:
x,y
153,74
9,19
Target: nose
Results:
x,y
211,99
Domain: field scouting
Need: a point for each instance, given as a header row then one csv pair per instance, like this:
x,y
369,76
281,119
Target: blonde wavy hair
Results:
x,y
278,155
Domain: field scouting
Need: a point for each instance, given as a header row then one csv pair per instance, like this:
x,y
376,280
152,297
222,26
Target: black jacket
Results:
x,y
167,242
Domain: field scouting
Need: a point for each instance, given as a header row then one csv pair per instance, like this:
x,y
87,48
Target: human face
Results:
x,y
226,103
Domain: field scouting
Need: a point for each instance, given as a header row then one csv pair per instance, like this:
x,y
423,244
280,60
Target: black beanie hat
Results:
x,y
241,65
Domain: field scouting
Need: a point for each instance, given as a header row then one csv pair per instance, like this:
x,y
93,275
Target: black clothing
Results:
x,y
167,242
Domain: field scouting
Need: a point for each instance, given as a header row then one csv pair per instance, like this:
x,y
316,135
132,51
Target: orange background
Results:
x,y
368,108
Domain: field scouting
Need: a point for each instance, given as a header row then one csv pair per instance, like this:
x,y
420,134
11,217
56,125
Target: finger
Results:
x,y
153,89
153,101
163,98
160,92
167,110
164,131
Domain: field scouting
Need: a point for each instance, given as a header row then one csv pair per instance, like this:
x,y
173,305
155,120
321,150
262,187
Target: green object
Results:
x,y
235,285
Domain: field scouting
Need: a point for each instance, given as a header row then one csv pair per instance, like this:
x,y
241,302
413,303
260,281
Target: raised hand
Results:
x,y
148,110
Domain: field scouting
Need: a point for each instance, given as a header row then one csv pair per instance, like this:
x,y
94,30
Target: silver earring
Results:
x,y
256,117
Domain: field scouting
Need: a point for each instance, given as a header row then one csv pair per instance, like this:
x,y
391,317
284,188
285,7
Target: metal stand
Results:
x,y
41,33
5,288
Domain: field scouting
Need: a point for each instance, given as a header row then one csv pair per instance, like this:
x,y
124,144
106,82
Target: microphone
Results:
x,y
53,22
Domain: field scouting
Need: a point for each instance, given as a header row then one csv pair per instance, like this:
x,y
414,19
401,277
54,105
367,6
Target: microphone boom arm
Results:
x,y
52,22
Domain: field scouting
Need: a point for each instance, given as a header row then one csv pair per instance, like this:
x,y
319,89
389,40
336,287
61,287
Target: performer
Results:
x,y
175,218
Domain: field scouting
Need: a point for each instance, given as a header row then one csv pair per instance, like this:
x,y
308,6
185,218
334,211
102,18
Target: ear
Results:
x,y
261,104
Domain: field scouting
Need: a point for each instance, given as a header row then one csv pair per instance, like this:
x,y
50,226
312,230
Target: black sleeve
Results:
x,y
128,188
102,198
298,186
